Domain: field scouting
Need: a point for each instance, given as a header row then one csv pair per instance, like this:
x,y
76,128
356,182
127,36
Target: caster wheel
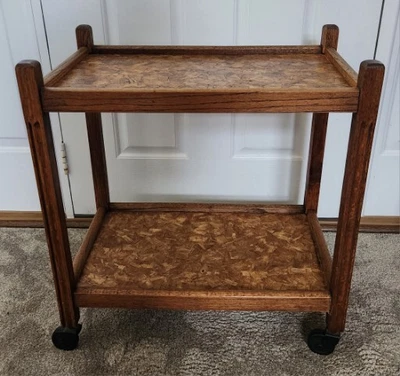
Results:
x,y
321,342
66,338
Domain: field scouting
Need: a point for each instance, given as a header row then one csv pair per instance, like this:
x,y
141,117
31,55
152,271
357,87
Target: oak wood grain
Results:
x,y
370,81
329,37
204,79
87,244
205,50
207,208
314,301
321,247
315,160
98,159
30,80
229,101
342,66
319,126
84,37
65,67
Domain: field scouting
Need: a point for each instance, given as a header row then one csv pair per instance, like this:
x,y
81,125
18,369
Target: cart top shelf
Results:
x,y
202,79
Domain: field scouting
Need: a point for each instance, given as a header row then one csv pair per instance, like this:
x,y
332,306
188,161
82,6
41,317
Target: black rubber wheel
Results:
x,y
66,338
321,342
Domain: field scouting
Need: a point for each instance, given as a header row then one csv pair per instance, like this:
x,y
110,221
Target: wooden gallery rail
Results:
x,y
200,256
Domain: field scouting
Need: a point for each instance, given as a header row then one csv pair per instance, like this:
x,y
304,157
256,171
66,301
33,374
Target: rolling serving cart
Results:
x,y
203,256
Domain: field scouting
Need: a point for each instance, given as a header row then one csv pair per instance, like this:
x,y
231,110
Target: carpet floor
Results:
x,y
144,342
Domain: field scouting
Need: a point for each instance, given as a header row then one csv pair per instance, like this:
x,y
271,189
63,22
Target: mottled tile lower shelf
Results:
x,y
203,255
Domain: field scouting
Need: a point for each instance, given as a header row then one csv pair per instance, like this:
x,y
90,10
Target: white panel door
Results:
x,y
15,164
383,189
201,157
22,36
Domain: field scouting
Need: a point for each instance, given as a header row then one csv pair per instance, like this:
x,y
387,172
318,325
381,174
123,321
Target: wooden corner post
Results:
x,y
329,38
84,38
30,81
370,79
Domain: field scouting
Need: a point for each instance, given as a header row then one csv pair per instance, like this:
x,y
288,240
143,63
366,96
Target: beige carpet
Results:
x,y
123,342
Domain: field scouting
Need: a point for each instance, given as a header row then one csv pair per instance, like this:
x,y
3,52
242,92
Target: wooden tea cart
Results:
x,y
203,256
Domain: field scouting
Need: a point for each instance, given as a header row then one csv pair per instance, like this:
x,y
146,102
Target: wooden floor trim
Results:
x,y
33,219
378,224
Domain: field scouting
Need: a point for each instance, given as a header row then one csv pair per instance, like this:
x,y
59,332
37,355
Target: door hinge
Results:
x,y
64,159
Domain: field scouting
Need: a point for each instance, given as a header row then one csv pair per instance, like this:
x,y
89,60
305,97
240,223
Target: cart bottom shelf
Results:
x,y
203,260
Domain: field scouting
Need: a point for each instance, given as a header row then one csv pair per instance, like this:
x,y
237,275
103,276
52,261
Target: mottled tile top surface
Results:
x,y
204,72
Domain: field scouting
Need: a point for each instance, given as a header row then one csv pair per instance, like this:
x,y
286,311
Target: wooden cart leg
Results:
x,y
370,81
98,159
329,39
84,38
315,161
361,136
30,82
